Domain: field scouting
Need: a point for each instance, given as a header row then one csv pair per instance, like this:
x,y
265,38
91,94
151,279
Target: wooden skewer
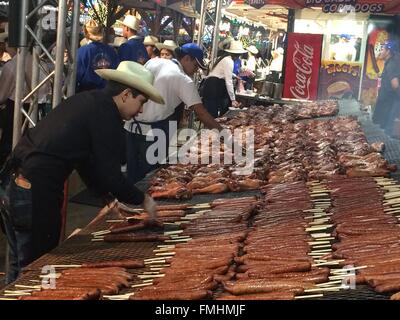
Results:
x,y
1,298
317,243
153,259
166,246
17,294
322,246
165,254
322,227
148,276
328,284
311,296
326,289
322,236
177,240
169,233
338,271
142,285
313,210
327,263
148,281
118,296
156,269
27,287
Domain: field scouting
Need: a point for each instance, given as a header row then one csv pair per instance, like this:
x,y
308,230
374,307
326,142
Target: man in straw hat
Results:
x,y
84,133
173,80
94,56
150,44
133,49
167,49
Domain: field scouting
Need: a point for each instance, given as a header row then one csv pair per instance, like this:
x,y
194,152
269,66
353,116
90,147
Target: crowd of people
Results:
x,y
125,91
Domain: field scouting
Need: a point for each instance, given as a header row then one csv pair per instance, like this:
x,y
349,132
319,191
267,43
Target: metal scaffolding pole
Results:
x,y
203,11
74,48
214,49
36,69
60,47
20,76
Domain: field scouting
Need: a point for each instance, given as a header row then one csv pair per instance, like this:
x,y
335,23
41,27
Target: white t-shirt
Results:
x,y
251,63
224,70
174,85
343,51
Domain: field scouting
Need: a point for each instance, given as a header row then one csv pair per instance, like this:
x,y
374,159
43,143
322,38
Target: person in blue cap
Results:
x,y
343,50
173,79
387,105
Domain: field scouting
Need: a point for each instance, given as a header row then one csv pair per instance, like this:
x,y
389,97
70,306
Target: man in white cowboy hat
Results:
x,y
173,79
150,44
167,49
218,90
133,49
84,133
94,56
250,65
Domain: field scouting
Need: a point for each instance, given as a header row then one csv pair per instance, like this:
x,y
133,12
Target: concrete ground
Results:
x,y
78,216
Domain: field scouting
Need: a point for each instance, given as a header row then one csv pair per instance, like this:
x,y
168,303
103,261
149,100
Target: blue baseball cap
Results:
x,y
193,50
345,36
390,45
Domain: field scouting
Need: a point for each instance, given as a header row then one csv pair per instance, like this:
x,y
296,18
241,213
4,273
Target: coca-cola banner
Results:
x,y
303,61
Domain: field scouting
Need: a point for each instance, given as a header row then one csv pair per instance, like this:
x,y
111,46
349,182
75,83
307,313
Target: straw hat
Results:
x,y
118,41
131,22
93,31
150,41
3,36
167,44
236,47
252,50
135,76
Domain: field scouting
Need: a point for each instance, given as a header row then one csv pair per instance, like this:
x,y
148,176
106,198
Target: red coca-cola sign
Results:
x,y
303,60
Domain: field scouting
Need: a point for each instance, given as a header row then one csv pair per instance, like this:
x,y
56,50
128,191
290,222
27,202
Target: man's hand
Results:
x,y
236,104
150,206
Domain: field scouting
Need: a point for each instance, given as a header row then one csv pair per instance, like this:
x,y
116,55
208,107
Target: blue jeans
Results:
x,y
16,213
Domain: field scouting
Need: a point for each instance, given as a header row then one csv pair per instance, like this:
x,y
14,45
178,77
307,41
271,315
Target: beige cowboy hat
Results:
x,y
252,50
93,31
167,44
131,22
118,41
236,46
150,41
3,36
135,76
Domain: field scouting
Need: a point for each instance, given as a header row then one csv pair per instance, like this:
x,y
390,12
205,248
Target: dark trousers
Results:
x,y
32,222
217,107
137,165
7,125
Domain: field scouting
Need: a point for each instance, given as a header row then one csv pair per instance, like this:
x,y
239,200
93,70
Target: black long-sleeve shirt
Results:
x,y
85,132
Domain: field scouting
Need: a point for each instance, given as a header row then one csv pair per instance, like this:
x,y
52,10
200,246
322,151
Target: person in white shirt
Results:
x,y
250,66
218,90
172,78
343,50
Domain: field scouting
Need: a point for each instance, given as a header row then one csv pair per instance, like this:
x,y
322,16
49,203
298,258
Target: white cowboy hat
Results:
x,y
131,22
135,76
167,44
118,41
150,41
252,49
3,36
93,31
235,47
